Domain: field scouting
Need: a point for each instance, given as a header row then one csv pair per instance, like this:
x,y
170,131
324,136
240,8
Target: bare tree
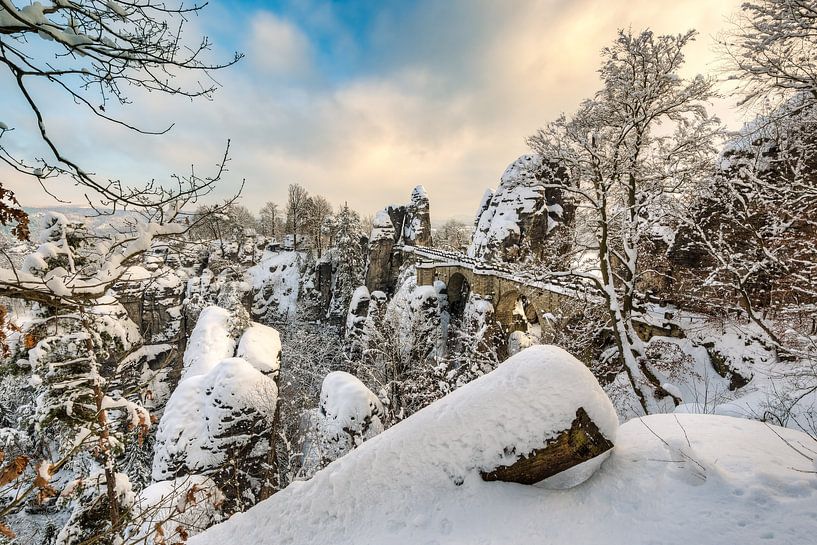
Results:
x,y
297,204
92,51
623,172
318,211
453,235
268,219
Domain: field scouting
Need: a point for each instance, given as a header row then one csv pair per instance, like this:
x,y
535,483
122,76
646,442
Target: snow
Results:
x,y
349,414
378,492
690,479
210,342
260,345
135,273
382,227
117,8
347,402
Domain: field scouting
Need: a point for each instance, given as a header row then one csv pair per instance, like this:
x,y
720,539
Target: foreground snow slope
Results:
x,y
746,490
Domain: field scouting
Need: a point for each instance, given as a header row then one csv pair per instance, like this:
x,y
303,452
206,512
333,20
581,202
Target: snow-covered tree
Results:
x,y
771,50
67,346
627,152
349,261
310,352
401,343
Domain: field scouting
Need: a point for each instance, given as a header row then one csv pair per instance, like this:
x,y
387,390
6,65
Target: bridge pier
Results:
x,y
425,274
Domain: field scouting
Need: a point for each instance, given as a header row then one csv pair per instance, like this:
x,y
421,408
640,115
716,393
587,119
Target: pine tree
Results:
x,y
349,262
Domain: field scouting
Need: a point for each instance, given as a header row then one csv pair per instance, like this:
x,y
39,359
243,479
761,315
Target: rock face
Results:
x,y
392,228
514,223
580,443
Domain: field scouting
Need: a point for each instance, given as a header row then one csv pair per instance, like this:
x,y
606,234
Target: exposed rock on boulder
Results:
x,y
417,220
381,244
514,222
582,442
358,311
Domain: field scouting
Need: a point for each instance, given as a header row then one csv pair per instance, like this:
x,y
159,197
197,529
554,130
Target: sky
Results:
x,y
360,101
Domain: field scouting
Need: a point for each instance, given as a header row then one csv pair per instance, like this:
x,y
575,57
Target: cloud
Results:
x,y
432,93
279,48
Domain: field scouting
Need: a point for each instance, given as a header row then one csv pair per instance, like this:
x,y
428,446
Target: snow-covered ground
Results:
x,y
734,481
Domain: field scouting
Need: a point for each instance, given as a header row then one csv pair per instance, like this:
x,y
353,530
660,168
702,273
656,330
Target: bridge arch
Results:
x,y
515,311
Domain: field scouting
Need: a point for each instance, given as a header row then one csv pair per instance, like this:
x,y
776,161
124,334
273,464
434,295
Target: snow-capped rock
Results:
x,y
514,221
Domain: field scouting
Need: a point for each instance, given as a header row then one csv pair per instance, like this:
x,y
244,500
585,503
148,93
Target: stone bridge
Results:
x,y
512,294
507,291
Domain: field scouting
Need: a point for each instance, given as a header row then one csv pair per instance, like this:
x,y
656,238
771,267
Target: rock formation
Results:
x,y
393,228
514,223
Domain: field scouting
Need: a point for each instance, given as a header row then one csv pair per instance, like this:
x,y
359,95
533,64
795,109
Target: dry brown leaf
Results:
x,y
12,470
43,483
6,532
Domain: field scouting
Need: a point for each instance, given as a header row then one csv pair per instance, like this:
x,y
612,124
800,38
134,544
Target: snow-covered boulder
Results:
x,y
211,417
514,221
260,346
382,227
219,420
349,414
210,342
349,405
